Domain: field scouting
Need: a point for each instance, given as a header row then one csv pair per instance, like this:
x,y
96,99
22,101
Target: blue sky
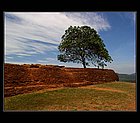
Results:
x,y
33,37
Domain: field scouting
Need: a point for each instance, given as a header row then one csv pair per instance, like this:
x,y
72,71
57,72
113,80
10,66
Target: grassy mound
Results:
x,y
115,96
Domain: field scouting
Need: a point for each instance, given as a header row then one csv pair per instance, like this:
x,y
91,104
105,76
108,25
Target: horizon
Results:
x,y
33,37
66,66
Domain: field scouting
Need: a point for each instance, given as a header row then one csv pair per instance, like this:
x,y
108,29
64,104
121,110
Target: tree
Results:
x,y
83,45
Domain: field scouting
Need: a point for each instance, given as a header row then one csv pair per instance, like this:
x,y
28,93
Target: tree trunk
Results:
x,y
84,65
83,62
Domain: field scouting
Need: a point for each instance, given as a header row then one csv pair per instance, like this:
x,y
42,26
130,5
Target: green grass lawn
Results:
x,y
115,96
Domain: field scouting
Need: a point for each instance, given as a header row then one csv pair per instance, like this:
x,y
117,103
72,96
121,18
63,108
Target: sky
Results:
x,y
34,37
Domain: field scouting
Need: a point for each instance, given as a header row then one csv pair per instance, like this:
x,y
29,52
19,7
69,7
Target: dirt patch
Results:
x,y
49,89
103,89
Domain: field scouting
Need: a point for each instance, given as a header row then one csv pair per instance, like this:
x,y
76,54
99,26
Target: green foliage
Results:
x,y
83,45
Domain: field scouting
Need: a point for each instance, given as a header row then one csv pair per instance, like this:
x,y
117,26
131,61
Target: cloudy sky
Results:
x,y
33,37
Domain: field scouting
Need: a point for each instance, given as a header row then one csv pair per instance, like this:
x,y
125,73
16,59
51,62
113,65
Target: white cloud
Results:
x,y
22,54
9,57
53,61
49,61
93,19
46,27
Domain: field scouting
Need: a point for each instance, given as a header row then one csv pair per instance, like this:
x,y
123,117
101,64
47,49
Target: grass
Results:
x,y
89,98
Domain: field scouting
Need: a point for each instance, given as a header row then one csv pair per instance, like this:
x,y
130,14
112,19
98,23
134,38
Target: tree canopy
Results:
x,y
83,45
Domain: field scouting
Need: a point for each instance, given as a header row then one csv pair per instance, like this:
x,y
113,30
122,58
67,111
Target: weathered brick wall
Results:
x,y
24,78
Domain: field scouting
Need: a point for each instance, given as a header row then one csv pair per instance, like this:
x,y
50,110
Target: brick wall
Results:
x,y
26,78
